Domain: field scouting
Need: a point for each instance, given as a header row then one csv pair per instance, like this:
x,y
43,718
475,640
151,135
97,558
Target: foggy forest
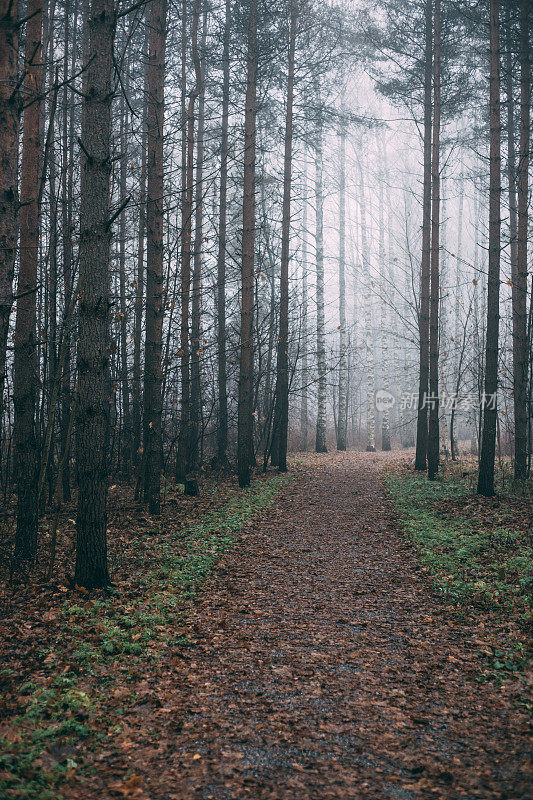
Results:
x,y
266,387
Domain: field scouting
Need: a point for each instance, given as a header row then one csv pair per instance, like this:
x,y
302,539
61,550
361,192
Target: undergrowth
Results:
x,y
105,640
479,553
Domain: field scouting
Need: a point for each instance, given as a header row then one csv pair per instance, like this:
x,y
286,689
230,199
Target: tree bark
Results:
x,y
457,329
9,151
136,392
196,299
433,433
183,462
384,332
423,318
343,367
67,170
93,398
26,363
281,417
485,484
304,414
222,381
245,445
124,381
152,398
321,421
519,279
369,333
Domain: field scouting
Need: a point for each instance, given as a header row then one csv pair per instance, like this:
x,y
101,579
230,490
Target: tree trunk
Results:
x,y
9,150
26,361
124,382
152,399
304,414
384,332
369,334
196,300
485,484
245,446
321,422
138,452
222,381
519,279
93,400
67,171
343,371
433,434
183,457
423,318
281,420
457,328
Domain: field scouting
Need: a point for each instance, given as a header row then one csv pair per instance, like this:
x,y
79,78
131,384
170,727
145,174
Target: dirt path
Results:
x,y
325,669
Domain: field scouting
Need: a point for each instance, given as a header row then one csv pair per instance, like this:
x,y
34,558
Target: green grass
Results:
x,y
477,556
487,565
112,640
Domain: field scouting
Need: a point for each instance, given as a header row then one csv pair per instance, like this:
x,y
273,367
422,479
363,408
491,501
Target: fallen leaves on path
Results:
x,y
321,668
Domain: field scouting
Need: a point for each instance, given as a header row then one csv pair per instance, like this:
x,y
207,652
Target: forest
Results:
x,y
266,399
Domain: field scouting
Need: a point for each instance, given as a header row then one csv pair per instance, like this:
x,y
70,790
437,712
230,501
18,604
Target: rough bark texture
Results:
x,y
245,445
25,366
457,327
321,421
281,418
489,404
124,383
369,333
136,387
304,413
67,201
222,381
433,435
9,146
185,435
93,398
153,403
519,279
343,365
384,332
423,313
196,299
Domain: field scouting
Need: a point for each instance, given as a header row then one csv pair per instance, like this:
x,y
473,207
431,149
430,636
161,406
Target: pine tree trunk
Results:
x,y
321,422
433,433
136,388
52,287
26,359
369,333
423,319
384,332
93,399
67,172
152,400
485,484
520,339
304,413
222,381
281,419
124,382
9,150
245,446
196,300
183,457
343,368
457,329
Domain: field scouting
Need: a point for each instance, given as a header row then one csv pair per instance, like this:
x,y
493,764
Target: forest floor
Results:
x,y
305,641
